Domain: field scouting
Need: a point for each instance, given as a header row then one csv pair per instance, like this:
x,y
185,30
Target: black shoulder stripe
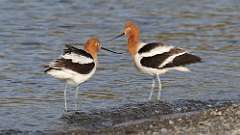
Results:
x,y
154,61
68,64
148,47
69,48
182,60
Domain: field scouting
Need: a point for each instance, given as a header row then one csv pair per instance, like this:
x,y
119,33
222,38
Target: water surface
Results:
x,y
32,33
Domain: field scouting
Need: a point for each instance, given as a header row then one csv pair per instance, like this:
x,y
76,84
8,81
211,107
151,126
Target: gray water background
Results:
x,y
33,32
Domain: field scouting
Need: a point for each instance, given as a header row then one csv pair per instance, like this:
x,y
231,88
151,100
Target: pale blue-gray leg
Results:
x,y
152,89
76,98
159,87
65,97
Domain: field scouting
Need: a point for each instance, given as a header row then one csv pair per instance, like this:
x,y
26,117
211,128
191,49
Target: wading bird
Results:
x,y
155,58
76,66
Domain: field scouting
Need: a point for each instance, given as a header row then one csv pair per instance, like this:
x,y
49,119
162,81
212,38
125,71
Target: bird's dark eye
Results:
x,y
98,45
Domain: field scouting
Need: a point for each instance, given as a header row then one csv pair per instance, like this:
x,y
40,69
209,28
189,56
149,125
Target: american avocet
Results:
x,y
155,58
76,66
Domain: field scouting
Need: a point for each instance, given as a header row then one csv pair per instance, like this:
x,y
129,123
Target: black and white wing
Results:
x,y
159,56
73,59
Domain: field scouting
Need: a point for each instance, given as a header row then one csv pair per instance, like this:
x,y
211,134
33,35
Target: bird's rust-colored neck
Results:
x,y
133,41
91,50
133,33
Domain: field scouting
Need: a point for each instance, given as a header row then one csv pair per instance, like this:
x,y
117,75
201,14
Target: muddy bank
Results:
x,y
180,117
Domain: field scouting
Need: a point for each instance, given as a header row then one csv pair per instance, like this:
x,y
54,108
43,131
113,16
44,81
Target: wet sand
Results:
x,y
180,117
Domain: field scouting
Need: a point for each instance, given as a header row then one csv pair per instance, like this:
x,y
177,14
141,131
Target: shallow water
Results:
x,y
32,33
